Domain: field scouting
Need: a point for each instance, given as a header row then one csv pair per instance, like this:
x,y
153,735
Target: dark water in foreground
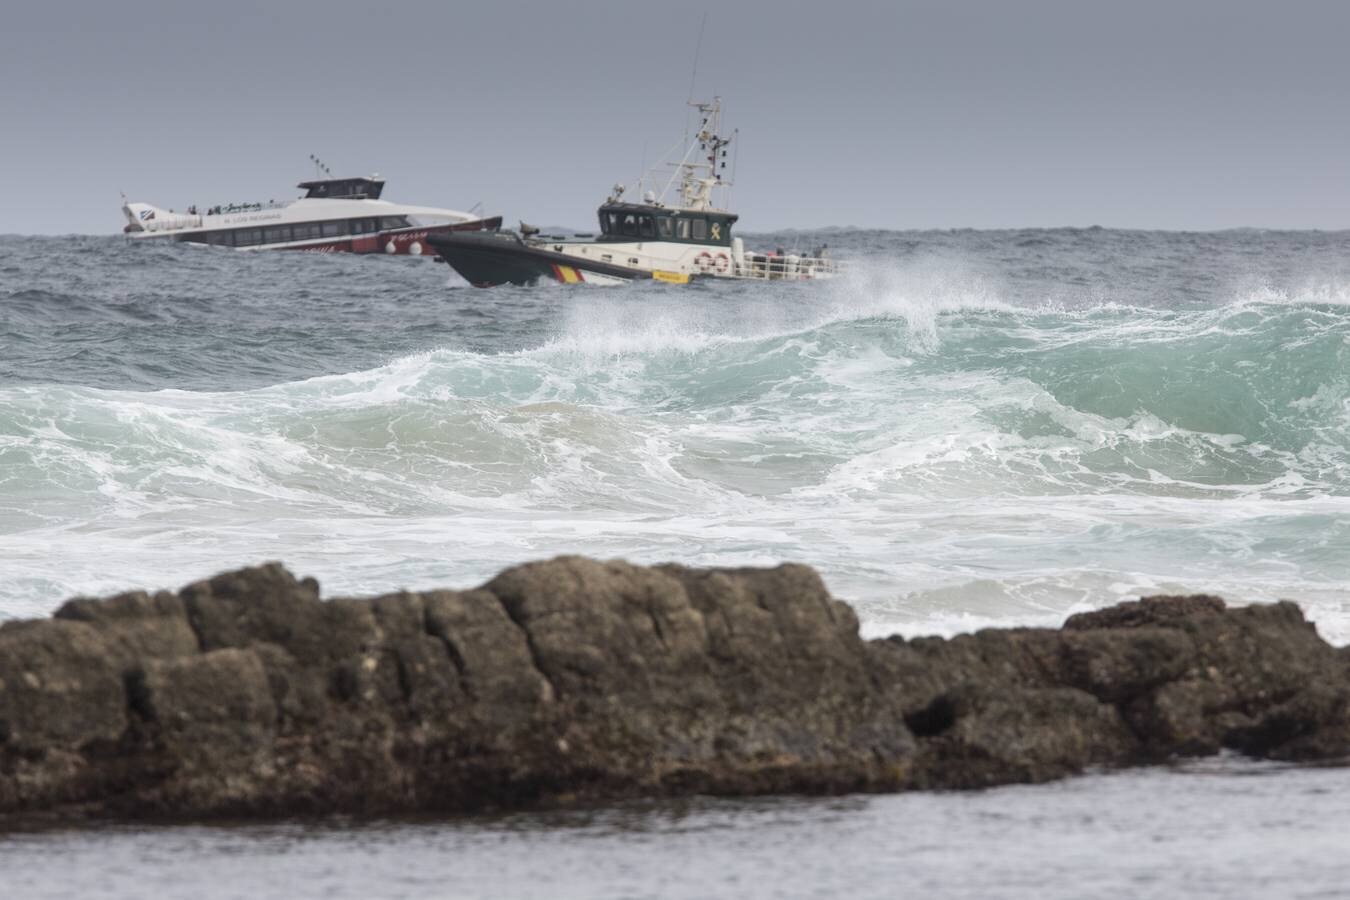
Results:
x,y
1221,829
972,428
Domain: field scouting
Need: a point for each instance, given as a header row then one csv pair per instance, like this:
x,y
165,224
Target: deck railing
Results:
x,y
787,267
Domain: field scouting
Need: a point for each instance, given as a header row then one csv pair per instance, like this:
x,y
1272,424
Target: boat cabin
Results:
x,y
329,229
643,222
343,188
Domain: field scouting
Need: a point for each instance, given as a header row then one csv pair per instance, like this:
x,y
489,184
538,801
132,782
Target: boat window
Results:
x,y
275,235
700,229
220,238
682,229
666,226
333,229
630,225
609,223
646,227
362,226
246,237
394,222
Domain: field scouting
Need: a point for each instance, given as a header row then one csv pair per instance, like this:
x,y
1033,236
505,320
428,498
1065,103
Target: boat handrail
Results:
x,y
787,266
223,209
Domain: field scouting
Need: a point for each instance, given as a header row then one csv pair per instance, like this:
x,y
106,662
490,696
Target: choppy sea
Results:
x,y
970,428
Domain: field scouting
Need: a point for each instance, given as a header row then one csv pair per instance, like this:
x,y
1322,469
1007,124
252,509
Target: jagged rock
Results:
x,y
60,686
574,680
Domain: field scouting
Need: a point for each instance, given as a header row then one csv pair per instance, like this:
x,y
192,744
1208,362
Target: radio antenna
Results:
x,y
697,48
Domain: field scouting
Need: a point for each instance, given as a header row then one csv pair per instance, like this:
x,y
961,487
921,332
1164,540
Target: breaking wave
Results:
x,y
947,458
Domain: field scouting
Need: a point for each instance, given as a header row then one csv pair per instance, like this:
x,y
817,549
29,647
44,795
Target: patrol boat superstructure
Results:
x,y
648,240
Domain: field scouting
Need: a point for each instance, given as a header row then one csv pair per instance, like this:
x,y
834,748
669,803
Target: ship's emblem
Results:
x,y
717,231
147,214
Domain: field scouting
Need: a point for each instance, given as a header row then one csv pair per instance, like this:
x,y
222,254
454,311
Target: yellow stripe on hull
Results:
x,y
670,277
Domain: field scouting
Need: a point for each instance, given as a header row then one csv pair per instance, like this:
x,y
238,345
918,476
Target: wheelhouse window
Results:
x,y
638,224
700,229
682,229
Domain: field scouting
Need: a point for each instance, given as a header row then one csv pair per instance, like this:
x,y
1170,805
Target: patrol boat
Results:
x,y
676,243
334,215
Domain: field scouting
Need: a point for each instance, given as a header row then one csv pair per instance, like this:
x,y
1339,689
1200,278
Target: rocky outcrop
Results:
x,y
574,680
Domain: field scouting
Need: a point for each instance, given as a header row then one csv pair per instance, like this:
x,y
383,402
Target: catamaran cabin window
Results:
x,y
247,237
276,234
700,229
394,222
333,229
363,226
220,239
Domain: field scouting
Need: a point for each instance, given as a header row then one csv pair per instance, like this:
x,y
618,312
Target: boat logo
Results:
x,y
716,231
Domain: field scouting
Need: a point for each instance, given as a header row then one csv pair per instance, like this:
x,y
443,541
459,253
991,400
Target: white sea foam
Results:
x,y
948,460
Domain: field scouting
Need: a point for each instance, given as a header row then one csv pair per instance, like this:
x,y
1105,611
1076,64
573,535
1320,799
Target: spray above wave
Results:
x,y
914,294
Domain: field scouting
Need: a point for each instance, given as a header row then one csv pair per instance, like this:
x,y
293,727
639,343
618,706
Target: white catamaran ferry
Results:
x,y
648,240
334,215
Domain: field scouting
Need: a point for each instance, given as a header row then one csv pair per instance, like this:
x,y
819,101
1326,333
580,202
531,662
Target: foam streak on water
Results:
x,y
971,429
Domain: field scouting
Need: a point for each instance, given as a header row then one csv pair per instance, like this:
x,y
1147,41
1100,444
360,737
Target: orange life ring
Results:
x,y
723,263
704,261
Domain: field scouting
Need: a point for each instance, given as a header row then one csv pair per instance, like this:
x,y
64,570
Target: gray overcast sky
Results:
x,y
910,114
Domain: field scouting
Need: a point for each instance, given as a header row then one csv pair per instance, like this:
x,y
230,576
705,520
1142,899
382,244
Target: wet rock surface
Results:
x,y
574,680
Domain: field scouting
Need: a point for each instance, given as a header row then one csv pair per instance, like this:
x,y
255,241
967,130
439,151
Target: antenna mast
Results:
x,y
697,49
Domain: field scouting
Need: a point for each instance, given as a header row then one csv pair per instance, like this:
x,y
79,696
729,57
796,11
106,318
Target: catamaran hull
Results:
x,y
405,242
487,260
